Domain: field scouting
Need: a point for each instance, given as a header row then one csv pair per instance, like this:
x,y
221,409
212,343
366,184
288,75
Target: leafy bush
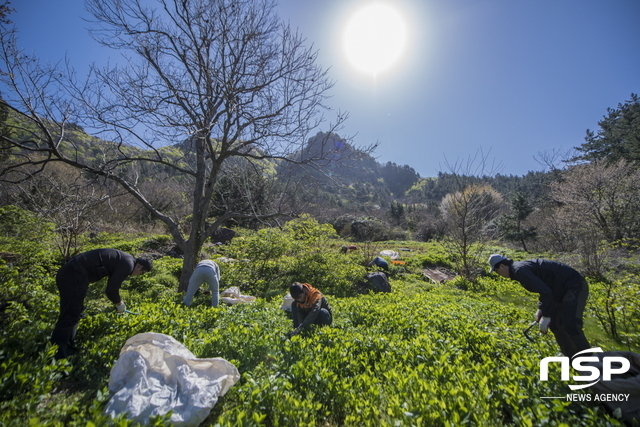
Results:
x,y
435,255
369,228
268,261
616,305
121,242
24,234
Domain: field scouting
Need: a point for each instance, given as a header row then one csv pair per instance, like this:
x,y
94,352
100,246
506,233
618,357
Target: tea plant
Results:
x,y
424,355
268,261
616,306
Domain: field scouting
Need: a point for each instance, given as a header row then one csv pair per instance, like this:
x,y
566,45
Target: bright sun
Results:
x,y
375,38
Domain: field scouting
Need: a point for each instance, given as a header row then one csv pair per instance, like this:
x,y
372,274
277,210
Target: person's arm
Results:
x,y
533,283
122,271
296,314
311,317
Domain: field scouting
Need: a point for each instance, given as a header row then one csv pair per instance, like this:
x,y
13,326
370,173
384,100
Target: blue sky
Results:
x,y
512,78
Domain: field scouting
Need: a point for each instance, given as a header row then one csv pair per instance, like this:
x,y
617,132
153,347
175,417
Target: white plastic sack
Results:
x,y
286,302
391,254
156,374
233,296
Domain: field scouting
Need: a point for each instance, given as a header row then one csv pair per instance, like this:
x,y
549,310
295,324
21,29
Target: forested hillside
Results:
x,y
589,209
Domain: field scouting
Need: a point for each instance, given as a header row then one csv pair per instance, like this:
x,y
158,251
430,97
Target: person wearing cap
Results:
x,y
309,307
208,272
73,280
563,297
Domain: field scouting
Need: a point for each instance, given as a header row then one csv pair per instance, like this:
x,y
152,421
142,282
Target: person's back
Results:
x,y
553,273
207,271
380,262
100,263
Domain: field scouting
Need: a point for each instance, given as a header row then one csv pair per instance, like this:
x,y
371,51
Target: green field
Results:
x,y
424,355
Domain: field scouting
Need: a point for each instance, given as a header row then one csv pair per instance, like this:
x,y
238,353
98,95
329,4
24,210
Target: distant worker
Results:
x,y
563,297
73,281
344,249
208,272
379,262
309,307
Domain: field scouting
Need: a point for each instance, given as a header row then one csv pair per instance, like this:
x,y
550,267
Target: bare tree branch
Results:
x,y
202,82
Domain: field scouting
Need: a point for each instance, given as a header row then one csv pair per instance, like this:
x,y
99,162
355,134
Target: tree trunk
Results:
x,y
191,259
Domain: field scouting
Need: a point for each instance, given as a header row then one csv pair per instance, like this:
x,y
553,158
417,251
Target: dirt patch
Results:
x,y
438,274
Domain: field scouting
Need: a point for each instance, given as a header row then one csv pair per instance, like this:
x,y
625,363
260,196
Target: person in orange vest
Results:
x,y
309,307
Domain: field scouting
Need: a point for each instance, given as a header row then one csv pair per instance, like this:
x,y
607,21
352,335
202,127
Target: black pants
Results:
x,y
566,323
324,316
72,285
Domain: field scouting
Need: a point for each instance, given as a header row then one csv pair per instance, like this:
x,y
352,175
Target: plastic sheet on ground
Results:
x,y
391,254
233,296
156,374
286,302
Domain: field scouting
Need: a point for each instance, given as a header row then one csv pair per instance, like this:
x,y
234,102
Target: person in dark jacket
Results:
x,y
73,281
563,297
309,307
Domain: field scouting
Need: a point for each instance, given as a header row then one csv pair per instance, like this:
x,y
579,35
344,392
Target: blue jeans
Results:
x,y
209,274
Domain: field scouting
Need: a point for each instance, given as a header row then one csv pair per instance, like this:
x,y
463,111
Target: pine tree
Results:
x,y
511,224
618,137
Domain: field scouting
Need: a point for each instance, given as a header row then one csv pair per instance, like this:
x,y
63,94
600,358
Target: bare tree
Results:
x,y
64,196
602,196
467,214
222,78
468,217
598,202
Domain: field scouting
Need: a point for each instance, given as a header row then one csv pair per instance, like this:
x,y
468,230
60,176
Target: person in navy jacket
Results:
x,y
73,281
563,297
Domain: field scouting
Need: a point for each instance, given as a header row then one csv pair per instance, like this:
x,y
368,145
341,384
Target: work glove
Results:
x,y
538,315
544,324
120,308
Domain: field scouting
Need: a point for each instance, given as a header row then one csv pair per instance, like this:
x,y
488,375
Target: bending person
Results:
x,y
563,297
207,272
309,307
379,262
73,281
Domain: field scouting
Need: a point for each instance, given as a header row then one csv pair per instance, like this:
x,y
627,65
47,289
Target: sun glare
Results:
x,y
375,38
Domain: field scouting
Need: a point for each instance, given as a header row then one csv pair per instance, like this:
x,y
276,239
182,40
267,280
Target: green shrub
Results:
x,y
121,242
268,261
616,306
24,234
433,255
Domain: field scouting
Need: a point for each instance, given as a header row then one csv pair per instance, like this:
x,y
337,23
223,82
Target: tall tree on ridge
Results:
x,y
618,137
